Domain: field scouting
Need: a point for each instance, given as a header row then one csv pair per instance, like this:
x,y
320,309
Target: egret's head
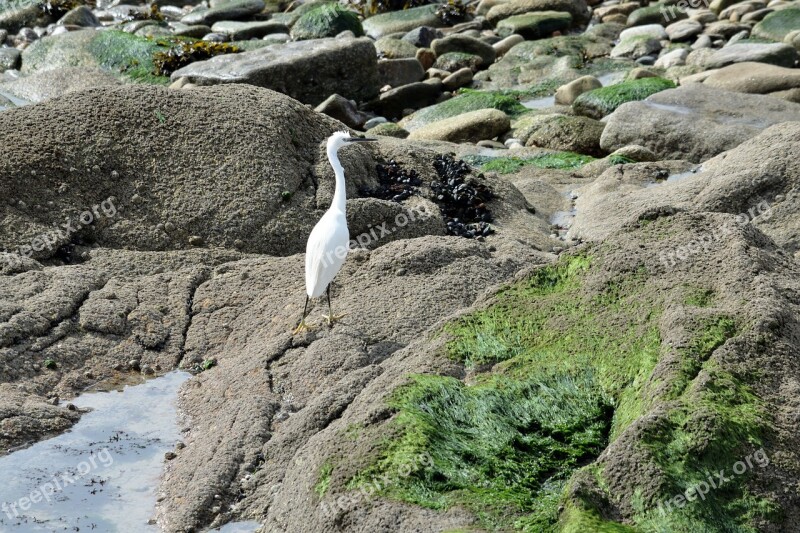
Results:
x,y
343,138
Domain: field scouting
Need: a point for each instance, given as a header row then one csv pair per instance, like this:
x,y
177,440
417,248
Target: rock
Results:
x,y
683,30
378,26
759,78
565,133
225,10
464,44
9,59
601,102
396,72
453,61
197,31
636,153
658,13
425,57
423,36
694,122
411,96
566,94
653,31
79,16
326,20
672,59
467,101
391,48
342,110
243,31
635,47
309,71
458,79
388,129
793,38
468,127
639,73
778,24
507,43
779,54
41,86
578,9
371,123
535,25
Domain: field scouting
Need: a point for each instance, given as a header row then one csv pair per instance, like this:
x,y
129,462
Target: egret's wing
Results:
x,y
325,252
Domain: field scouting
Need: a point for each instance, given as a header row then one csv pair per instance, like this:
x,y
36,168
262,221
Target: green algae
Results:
x,y
603,101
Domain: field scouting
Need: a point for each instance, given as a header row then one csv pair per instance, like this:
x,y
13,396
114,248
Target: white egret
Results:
x,y
327,245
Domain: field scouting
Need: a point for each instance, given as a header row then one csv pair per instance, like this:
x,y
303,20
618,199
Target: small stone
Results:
x,y
196,240
71,407
133,364
169,456
147,370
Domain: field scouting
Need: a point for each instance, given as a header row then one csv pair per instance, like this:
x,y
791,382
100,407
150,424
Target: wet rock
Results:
x,y
535,25
242,31
468,127
395,72
343,110
226,10
566,94
406,20
289,68
694,122
466,45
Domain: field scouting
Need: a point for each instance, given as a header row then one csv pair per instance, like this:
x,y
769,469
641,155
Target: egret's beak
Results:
x,y
360,139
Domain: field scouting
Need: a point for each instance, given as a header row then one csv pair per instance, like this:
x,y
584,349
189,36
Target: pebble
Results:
x,y
196,240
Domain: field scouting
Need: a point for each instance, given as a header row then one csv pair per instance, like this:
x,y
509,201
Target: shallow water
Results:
x,y
14,99
674,178
102,474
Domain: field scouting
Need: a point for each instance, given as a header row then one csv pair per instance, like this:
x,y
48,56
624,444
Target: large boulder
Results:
x,y
694,122
309,71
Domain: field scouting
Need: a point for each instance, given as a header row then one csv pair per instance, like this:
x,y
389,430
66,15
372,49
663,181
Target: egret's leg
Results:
x,y
331,318
302,326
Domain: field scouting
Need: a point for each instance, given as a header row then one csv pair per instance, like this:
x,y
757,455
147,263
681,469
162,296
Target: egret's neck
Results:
x,y
340,195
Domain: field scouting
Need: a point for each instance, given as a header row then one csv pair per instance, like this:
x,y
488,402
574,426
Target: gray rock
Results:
x,y
309,71
396,72
507,43
566,94
343,110
41,86
565,133
406,20
423,36
458,79
635,47
683,30
578,9
535,25
654,31
225,10
196,31
242,31
694,122
393,102
464,44
779,54
21,15
80,16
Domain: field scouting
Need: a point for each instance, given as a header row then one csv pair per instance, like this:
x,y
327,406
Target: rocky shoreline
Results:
x,y
573,291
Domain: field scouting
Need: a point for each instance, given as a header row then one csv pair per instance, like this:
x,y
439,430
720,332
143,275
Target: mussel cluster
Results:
x,y
463,203
394,182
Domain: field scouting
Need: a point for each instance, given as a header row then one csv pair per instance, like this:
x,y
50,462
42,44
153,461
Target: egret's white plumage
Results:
x,y
327,245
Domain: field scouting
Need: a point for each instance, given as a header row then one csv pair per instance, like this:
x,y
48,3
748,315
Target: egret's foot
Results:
x,y
330,319
302,326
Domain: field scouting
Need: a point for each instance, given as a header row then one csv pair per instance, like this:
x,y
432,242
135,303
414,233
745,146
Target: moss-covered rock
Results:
x,y
404,20
509,165
120,53
535,25
453,61
564,132
601,102
388,129
326,20
661,13
778,24
467,100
